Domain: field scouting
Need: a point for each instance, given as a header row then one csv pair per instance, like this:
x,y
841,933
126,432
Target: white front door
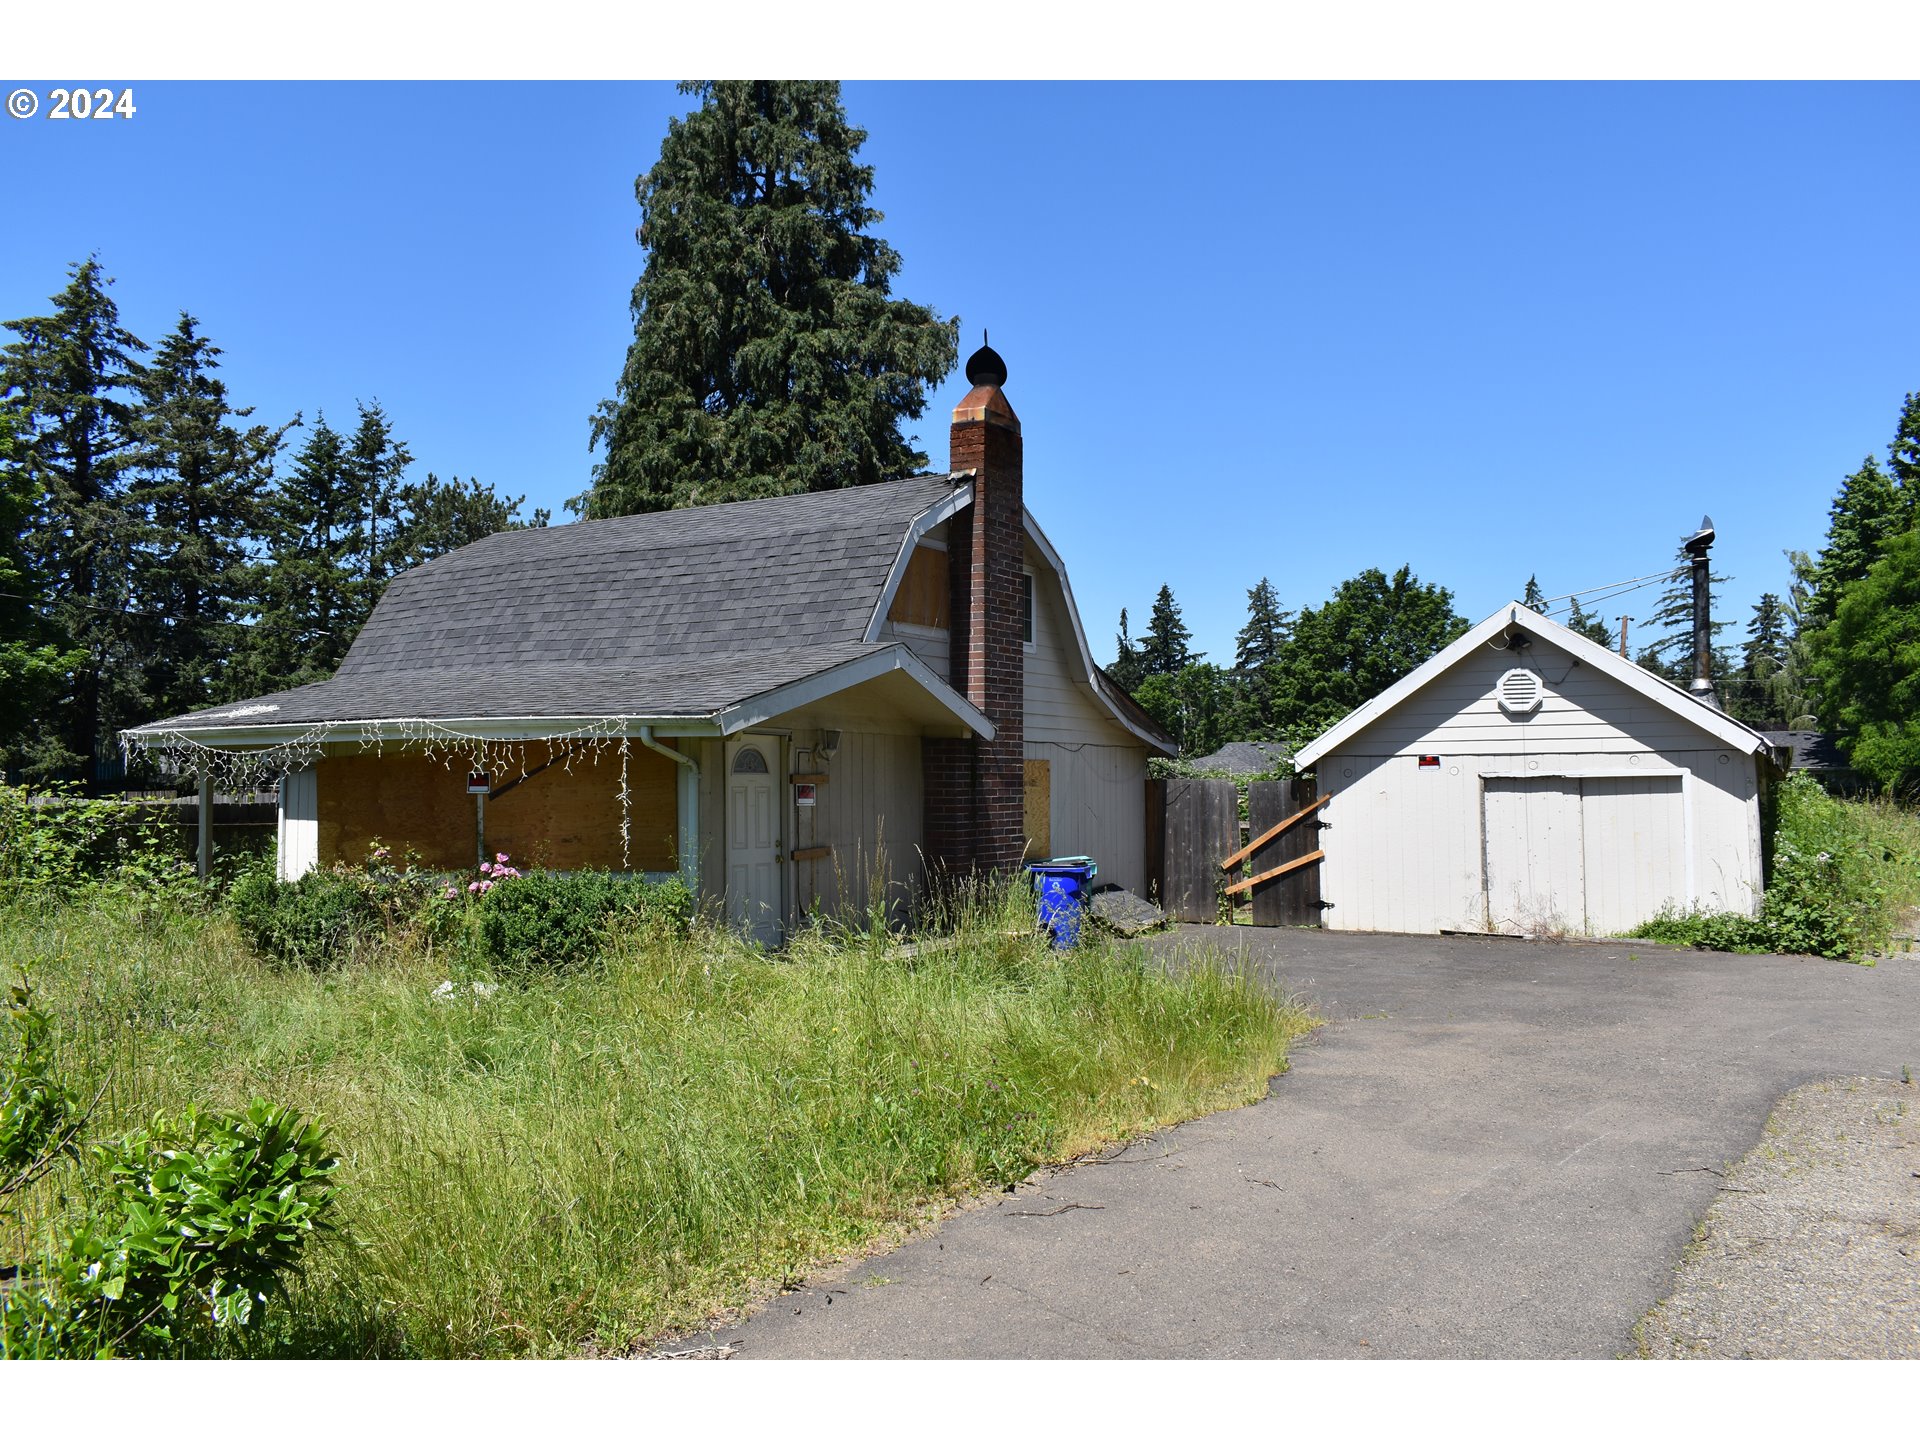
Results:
x,y
753,838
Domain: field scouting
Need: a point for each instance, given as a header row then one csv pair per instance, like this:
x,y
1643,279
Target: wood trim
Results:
x,y
1278,870
813,852
810,777
1285,825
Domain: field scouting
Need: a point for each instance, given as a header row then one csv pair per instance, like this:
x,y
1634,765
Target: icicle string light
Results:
x,y
178,753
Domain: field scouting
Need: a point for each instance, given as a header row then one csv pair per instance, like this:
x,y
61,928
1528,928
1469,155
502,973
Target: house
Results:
x,y
1240,757
1528,781
801,704
1817,753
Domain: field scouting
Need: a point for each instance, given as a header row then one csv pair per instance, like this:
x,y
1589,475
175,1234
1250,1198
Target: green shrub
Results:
x,y
1842,872
202,1221
318,920
550,918
55,844
34,1104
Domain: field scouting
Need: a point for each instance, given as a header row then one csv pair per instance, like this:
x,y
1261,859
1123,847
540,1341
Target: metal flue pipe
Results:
x,y
1696,545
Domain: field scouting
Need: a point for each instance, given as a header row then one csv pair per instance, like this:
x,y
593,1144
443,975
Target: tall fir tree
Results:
x,y
1670,654
1127,670
309,595
1535,598
1868,510
34,670
768,357
1164,649
1264,636
1755,692
72,382
437,516
198,484
1589,623
373,466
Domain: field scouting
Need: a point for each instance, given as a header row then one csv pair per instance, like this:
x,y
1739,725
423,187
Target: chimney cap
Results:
x,y
1698,543
984,366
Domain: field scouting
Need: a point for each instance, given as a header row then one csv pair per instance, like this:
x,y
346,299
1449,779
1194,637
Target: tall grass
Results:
x,y
587,1160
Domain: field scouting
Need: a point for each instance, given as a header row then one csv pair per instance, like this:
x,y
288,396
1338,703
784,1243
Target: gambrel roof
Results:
x,y
1718,724
693,615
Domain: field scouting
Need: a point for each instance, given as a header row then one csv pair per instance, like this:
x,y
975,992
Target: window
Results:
x,y
1026,608
749,762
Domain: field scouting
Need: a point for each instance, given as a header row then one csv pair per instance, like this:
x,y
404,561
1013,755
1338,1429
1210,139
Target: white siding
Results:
x,y
870,812
931,645
1098,807
1061,706
299,823
1662,814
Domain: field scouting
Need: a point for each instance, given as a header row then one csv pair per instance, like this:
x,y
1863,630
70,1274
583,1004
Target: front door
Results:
x,y
753,839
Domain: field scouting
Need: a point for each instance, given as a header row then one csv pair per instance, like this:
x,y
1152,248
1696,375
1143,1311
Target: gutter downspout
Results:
x,y
689,801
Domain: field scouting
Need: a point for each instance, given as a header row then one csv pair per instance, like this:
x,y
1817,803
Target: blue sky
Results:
x,y
1288,330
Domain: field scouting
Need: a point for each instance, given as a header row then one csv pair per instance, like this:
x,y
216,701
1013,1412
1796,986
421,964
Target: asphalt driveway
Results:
x,y
1495,1148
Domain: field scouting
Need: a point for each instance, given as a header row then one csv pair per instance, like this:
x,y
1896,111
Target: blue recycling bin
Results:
x,y
1063,884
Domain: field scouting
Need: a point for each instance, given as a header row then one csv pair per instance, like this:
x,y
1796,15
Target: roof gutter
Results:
x,y
688,804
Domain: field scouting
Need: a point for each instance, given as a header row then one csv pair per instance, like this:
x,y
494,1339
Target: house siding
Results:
x,y
1098,807
1667,815
869,812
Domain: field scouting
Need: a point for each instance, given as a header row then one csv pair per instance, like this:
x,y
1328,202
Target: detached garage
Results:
x,y
1526,781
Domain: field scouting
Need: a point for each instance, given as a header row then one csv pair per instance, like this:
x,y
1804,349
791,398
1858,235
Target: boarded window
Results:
x,y
1039,809
922,596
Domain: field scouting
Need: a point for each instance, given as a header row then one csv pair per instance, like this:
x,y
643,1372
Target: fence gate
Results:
x,y
1191,827
1284,859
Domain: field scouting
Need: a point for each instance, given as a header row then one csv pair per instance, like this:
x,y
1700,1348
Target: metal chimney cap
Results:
x,y
1701,540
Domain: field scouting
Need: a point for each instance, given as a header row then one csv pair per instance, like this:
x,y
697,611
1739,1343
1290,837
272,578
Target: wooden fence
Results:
x,y
1196,860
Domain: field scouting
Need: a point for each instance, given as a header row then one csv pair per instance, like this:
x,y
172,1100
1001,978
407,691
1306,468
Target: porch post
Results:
x,y
206,826
480,829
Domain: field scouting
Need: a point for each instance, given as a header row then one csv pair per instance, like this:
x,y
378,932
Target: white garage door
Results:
x,y
1581,856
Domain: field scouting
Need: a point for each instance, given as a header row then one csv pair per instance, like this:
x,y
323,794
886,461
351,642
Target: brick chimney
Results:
x,y
975,789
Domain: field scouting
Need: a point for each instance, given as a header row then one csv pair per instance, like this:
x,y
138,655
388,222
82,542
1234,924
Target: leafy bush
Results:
x,y
55,843
202,1221
318,920
34,1104
1842,872
553,918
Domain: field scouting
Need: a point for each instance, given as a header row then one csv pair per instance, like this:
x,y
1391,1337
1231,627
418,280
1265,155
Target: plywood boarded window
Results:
x,y
1039,808
922,596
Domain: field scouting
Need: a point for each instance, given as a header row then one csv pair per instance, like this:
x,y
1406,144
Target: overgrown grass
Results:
x,y
1844,872
587,1159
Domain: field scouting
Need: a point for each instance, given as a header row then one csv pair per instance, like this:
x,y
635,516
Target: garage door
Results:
x,y
1581,855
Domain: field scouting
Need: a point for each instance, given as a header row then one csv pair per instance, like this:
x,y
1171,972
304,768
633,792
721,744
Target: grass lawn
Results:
x,y
581,1161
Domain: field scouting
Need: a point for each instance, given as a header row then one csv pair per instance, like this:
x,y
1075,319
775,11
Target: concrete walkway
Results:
x,y
1496,1148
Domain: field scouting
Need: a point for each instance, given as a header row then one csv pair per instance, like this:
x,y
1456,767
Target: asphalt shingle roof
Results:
x,y
683,612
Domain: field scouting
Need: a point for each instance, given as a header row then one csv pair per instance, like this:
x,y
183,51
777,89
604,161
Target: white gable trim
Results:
x,y
761,708
929,519
1723,728
1052,557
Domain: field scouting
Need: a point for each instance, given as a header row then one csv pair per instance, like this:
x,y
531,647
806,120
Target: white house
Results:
x,y
1528,781
787,700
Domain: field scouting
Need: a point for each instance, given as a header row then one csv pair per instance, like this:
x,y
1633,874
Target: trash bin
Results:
x,y
1063,884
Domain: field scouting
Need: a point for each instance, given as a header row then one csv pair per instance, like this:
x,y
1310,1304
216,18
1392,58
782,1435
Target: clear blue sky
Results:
x,y
1289,330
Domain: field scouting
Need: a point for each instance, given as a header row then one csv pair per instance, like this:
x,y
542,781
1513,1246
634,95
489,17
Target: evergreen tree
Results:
x,y
437,516
1164,649
196,500
1754,691
767,357
309,597
1262,638
1193,705
1903,457
1868,510
1373,630
34,671
373,466
1865,660
71,380
1590,624
1127,670
1535,598
1670,655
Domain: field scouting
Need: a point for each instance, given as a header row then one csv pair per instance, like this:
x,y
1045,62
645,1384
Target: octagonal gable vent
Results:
x,y
1519,692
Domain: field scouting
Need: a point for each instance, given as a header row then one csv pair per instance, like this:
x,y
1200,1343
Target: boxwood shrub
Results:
x,y
558,918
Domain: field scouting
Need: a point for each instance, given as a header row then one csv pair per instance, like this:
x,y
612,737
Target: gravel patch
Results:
x,y
1812,1250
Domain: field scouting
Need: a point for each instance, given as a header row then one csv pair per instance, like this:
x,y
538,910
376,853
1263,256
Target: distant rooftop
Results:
x,y
1244,757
